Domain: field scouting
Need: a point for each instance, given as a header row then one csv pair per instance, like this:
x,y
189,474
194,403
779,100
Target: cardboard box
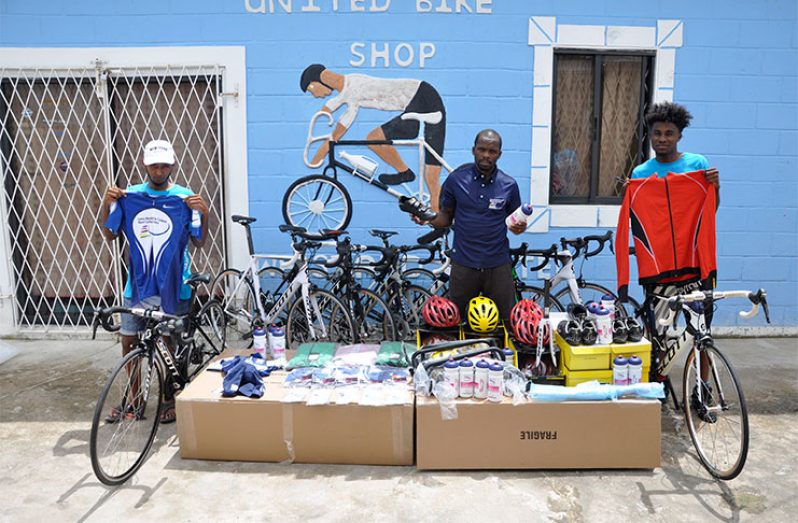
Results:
x,y
265,429
570,435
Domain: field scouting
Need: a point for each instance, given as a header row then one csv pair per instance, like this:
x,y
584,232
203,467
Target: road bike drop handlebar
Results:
x,y
676,303
311,139
581,244
104,318
521,252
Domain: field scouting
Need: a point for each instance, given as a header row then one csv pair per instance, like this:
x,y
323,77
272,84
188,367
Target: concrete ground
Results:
x,y
47,396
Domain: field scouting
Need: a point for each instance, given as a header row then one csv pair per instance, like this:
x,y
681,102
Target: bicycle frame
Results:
x,y
334,164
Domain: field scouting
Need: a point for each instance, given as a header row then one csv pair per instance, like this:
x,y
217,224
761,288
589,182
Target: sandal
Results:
x,y
115,416
168,413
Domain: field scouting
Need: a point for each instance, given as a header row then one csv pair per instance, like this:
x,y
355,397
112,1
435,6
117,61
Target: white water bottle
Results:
x,y
363,164
521,214
466,378
277,342
495,379
620,371
259,342
608,302
451,376
481,379
635,370
509,357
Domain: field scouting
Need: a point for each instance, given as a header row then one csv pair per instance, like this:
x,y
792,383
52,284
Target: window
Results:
x,y
598,132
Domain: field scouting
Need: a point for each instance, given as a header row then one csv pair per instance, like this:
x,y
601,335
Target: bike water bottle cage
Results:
x,y
634,329
577,311
589,333
440,312
570,331
483,315
620,332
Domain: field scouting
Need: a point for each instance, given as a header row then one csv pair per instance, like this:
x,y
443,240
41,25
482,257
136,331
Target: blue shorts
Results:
x,y
133,325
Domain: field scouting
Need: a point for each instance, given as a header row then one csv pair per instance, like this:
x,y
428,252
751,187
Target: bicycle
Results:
x,y
127,414
715,413
321,201
317,316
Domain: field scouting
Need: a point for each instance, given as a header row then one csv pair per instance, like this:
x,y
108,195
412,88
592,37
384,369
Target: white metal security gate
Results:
x,y
65,136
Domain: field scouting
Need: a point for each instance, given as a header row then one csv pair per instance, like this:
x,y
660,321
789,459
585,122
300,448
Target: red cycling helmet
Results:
x,y
440,312
525,321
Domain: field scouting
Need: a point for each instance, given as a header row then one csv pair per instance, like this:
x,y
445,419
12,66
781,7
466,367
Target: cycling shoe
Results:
x,y
416,208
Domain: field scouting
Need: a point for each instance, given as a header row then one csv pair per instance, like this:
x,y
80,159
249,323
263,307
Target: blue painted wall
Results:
x,y
737,72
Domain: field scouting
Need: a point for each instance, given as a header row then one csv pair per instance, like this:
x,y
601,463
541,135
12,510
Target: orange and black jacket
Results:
x,y
673,225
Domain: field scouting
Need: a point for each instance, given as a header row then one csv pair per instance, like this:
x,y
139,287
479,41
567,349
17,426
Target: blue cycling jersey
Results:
x,y
157,229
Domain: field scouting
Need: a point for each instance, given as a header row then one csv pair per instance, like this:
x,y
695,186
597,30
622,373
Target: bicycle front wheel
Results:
x,y
406,310
317,202
328,316
373,322
538,295
590,292
126,418
237,297
717,420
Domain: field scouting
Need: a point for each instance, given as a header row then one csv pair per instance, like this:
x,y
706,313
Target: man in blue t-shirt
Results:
x,y
665,122
159,162
477,198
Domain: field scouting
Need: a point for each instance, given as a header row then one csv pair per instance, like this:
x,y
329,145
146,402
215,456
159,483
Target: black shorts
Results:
x,y
495,283
426,100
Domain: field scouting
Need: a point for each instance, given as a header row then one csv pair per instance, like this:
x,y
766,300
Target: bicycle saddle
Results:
x,y
381,234
426,118
199,278
243,220
290,228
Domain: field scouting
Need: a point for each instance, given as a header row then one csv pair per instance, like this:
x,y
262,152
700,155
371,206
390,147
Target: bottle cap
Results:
x,y
496,367
482,364
466,363
608,297
619,360
451,364
634,360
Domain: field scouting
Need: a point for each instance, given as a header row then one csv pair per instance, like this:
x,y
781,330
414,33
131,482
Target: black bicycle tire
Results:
x,y
691,429
99,411
312,232
206,355
412,326
620,310
234,334
425,273
289,330
391,334
554,303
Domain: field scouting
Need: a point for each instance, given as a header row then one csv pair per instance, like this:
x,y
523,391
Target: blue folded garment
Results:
x,y
242,377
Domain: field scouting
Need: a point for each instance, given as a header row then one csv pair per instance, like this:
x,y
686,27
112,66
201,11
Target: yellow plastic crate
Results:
x,y
641,349
588,357
604,376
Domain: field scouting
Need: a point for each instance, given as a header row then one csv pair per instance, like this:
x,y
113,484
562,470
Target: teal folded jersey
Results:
x,y
394,353
313,354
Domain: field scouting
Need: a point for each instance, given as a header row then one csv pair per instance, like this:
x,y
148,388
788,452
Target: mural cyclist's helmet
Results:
x,y
312,73
525,321
440,312
483,315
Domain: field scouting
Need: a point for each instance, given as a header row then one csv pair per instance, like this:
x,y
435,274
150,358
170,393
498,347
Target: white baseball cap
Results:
x,y
159,151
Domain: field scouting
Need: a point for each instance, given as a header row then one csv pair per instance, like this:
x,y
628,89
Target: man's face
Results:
x,y
664,138
487,152
318,90
159,174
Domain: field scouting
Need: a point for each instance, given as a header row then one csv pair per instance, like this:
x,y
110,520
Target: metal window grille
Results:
x,y
599,133
65,136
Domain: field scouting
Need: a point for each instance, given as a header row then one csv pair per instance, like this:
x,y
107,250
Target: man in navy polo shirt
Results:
x,y
477,198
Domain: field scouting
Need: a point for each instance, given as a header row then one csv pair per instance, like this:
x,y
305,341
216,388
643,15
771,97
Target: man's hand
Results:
x,y
195,202
417,220
517,228
713,176
112,194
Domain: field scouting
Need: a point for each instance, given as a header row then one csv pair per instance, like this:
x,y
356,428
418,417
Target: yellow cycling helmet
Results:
x,y
483,315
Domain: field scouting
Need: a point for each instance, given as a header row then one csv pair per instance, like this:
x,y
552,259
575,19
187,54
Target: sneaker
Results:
x,y
701,410
398,178
416,208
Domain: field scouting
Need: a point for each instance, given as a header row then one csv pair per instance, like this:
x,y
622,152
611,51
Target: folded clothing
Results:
x,y
242,376
394,353
312,354
356,354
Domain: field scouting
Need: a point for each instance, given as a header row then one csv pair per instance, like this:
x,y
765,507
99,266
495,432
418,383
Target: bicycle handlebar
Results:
x,y
104,317
582,244
676,303
311,139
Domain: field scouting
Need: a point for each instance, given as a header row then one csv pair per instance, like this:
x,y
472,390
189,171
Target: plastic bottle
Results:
x,y
451,375
635,370
277,342
603,325
466,378
495,379
363,164
481,379
509,356
521,214
196,220
608,302
620,371
259,341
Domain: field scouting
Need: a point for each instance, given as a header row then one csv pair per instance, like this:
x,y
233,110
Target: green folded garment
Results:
x,y
312,354
394,353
